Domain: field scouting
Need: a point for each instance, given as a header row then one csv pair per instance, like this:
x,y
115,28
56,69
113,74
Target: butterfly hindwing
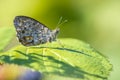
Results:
x,y
30,32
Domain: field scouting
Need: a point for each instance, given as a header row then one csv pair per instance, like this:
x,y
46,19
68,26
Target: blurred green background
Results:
x,y
96,22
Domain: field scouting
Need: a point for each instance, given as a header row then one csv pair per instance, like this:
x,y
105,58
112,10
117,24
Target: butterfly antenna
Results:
x,y
60,22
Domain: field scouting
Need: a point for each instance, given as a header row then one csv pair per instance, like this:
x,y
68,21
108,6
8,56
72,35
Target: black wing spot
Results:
x,y
23,31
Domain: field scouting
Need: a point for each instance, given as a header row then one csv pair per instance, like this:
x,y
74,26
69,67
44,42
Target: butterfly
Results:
x,y
31,32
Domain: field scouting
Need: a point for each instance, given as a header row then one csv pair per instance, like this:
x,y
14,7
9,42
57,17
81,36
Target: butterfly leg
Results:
x,y
27,50
59,42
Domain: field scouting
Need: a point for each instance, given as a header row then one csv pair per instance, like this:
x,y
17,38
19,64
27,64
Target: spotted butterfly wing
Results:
x,y
31,32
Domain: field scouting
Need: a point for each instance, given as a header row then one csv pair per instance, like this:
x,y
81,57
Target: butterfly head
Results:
x,y
55,33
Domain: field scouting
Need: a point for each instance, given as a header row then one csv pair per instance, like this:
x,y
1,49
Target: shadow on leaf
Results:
x,y
64,69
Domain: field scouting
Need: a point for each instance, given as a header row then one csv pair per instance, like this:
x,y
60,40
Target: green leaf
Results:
x,y
6,35
75,61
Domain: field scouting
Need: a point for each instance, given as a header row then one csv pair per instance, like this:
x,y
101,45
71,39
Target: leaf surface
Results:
x,y
75,61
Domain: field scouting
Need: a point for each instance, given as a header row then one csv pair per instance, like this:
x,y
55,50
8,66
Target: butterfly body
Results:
x,y
30,32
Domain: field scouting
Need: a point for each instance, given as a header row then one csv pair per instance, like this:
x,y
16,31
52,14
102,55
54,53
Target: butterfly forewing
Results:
x,y
30,32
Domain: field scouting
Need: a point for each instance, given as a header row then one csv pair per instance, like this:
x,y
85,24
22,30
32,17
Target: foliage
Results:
x,y
67,59
6,35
